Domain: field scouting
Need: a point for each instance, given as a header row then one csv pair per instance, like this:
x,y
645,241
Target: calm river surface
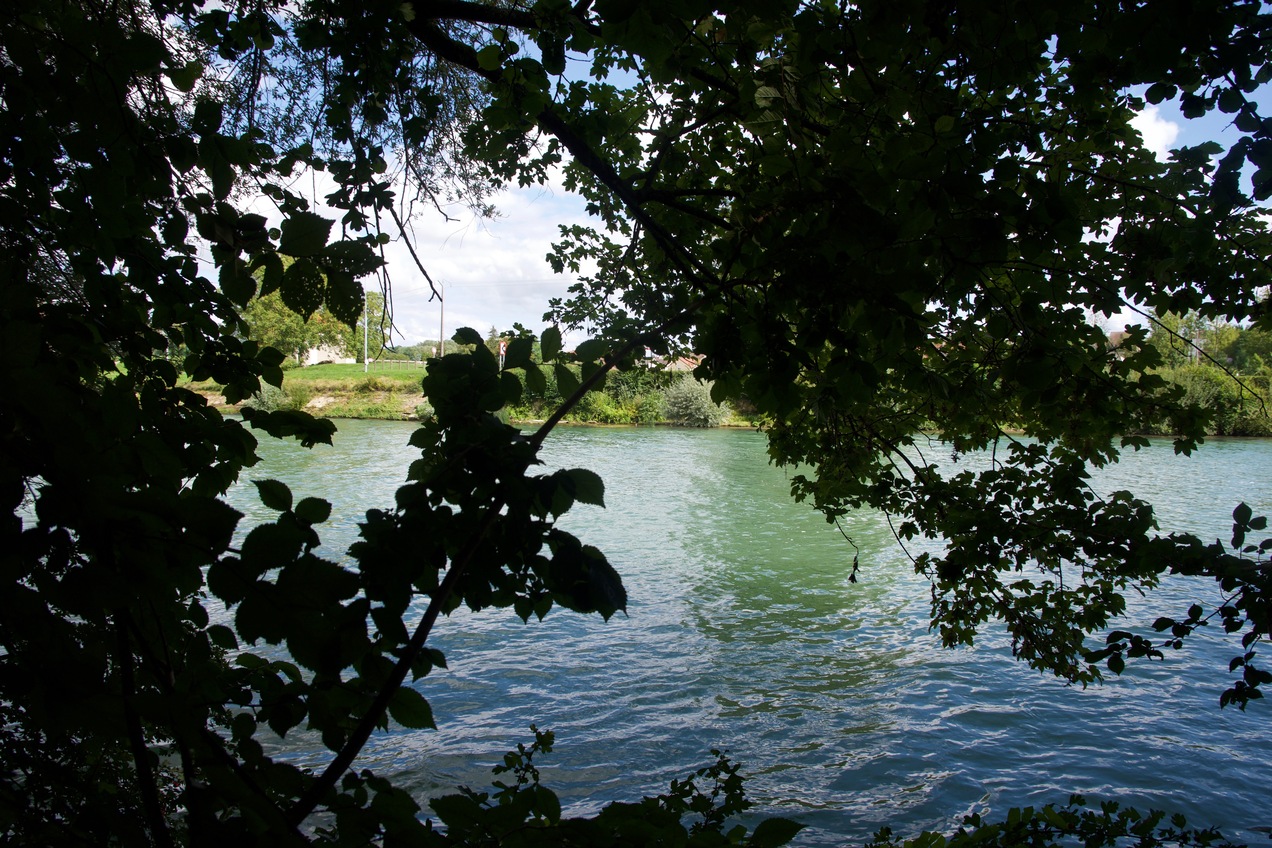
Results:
x,y
745,634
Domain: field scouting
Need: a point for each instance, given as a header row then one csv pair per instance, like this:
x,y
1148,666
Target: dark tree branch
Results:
x,y
465,56
480,13
153,810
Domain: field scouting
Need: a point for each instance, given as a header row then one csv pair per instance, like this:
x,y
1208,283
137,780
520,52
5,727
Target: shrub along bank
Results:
x,y
1234,405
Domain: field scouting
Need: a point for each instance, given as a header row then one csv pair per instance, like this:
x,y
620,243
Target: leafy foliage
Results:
x,y
875,221
1071,824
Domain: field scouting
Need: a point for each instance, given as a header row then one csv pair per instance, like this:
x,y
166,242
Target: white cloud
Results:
x,y
1159,134
493,272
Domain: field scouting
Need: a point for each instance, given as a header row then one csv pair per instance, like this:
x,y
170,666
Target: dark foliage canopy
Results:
x,y
884,224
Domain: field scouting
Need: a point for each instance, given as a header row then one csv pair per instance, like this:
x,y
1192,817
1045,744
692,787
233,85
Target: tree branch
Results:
x,y
150,805
465,56
480,13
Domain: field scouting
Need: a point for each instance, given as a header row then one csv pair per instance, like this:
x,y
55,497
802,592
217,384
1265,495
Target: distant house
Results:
x,y
682,363
1116,338
326,353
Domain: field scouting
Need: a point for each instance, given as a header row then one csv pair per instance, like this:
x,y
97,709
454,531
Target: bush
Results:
x,y
600,408
272,399
688,402
651,408
1252,421
1234,412
631,384
368,385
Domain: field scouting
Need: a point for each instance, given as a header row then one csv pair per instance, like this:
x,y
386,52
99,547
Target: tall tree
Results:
x,y
270,322
877,221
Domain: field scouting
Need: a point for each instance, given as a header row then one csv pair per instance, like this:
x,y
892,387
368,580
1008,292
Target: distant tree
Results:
x,y
1251,351
272,323
379,322
1178,338
419,351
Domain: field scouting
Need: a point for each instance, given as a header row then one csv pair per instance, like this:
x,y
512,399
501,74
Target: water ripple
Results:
x,y
745,634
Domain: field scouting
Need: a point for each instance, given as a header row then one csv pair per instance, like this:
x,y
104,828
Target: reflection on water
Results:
x,y
745,634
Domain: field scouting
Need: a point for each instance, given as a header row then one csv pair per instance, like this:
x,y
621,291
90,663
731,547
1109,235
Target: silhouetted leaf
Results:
x,y
274,494
304,234
410,709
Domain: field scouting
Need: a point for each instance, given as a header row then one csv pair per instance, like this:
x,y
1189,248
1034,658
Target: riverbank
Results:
x,y
391,391
388,391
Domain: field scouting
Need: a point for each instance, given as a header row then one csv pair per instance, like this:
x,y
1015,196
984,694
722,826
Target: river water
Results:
x,y
744,633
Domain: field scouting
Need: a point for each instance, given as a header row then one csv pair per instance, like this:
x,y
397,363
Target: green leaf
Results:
x,y
354,256
567,380
608,595
410,709
1159,91
550,343
207,117
271,271
553,51
591,350
223,637
274,494
489,57
766,94
345,297
218,167
535,381
304,234
584,485
186,76
457,812
304,288
468,336
547,804
510,388
236,282
518,355
773,832
1242,514
313,510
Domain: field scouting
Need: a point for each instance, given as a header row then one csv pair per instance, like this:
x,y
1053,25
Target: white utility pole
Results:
x,y
365,301
441,325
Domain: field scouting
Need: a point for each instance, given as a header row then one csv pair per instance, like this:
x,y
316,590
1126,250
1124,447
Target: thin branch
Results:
x,y
480,13
415,256
466,57
410,653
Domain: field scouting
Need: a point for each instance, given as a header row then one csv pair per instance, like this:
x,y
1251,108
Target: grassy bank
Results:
x,y
392,391
389,391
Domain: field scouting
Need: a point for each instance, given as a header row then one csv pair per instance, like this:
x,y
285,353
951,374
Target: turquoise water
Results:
x,y
745,634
